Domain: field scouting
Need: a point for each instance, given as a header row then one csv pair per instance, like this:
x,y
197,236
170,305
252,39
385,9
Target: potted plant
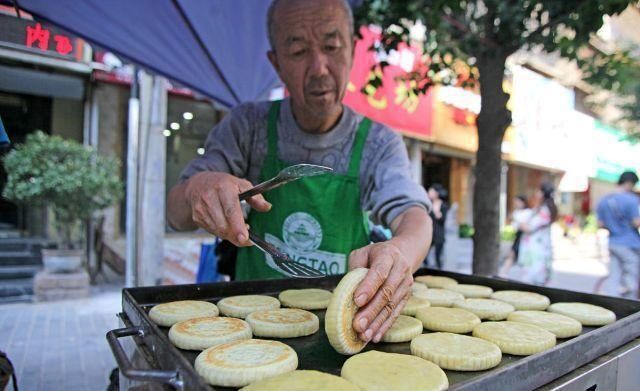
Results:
x,y
71,179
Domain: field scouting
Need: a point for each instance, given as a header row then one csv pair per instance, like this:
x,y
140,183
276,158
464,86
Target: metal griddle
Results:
x,y
156,359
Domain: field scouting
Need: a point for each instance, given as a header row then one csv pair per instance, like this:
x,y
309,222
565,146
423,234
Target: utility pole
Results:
x,y
132,184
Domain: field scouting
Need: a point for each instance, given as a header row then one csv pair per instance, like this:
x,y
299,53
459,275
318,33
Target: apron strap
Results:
x,y
272,129
358,146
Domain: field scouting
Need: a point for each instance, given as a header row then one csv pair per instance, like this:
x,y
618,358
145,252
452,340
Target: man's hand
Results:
x,y
384,291
215,206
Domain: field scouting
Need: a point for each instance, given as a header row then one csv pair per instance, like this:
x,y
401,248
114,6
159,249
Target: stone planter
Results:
x,y
62,261
49,286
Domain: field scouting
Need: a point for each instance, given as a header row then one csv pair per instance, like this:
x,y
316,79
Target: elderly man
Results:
x,y
319,220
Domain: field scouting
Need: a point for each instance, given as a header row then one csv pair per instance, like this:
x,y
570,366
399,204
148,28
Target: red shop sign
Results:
x,y
391,104
40,37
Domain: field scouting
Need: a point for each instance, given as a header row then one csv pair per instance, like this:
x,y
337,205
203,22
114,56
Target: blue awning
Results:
x,y
217,48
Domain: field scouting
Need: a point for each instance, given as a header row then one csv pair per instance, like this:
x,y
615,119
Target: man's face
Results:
x,y
313,54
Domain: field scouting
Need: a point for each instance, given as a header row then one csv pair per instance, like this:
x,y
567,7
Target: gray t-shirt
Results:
x,y
238,145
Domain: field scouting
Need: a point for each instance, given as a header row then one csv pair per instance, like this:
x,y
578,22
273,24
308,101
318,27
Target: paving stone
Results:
x,y
55,346
28,383
78,383
55,294
60,286
44,280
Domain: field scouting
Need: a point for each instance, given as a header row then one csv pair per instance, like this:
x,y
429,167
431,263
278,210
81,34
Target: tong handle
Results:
x,y
262,187
266,246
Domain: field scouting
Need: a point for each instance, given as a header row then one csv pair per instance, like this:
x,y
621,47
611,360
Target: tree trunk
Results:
x,y
493,120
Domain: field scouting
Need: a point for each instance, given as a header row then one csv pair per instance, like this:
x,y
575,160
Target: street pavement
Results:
x,y
62,345
579,264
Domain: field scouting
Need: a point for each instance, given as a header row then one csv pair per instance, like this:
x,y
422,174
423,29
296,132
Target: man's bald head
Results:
x,y
276,4
312,48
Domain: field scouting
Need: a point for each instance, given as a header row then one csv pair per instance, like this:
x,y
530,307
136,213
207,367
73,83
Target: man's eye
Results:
x,y
298,53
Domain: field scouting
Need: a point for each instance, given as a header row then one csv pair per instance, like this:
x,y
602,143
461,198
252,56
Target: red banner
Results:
x,y
392,104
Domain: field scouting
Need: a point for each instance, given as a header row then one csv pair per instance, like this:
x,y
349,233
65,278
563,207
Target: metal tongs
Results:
x,y
282,261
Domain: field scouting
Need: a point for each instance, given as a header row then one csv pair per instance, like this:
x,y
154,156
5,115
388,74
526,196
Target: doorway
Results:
x,y
436,169
21,115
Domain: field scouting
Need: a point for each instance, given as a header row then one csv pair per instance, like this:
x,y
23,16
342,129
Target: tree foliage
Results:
x,y
68,177
466,30
619,73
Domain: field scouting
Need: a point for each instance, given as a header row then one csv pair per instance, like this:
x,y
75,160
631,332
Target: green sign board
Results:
x,y
613,153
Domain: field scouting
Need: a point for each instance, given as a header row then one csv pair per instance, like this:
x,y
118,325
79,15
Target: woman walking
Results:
x,y
535,251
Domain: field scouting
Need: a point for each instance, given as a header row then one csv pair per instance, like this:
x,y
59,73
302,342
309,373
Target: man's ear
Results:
x,y
271,55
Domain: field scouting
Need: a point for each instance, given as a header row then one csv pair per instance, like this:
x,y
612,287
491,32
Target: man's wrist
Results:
x,y
407,247
412,234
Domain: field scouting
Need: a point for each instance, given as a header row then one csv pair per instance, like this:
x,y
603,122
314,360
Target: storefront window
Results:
x,y
188,124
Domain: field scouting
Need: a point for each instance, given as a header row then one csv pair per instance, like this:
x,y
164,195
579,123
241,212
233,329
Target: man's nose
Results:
x,y
319,63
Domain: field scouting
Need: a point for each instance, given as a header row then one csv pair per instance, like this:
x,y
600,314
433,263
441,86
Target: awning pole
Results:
x,y
132,183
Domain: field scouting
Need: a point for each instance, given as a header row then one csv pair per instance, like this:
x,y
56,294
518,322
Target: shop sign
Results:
x,y
542,120
465,104
613,154
460,98
579,152
453,121
37,36
392,104
44,40
548,132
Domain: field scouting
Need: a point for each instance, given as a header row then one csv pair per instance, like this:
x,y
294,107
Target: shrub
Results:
x,y
466,231
508,233
71,179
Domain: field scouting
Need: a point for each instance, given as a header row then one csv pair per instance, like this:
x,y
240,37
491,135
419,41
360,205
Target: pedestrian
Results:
x,y
319,221
439,198
519,216
618,213
535,253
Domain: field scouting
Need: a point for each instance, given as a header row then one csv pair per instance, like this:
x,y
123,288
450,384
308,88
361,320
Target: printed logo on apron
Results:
x,y
302,235
302,232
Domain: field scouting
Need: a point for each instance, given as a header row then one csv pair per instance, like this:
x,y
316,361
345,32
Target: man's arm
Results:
x,y
385,290
635,215
634,211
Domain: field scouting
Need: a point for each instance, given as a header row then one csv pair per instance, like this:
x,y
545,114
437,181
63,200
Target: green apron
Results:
x,y
317,220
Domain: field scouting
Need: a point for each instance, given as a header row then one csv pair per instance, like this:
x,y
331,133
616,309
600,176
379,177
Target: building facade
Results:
x,y
44,81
